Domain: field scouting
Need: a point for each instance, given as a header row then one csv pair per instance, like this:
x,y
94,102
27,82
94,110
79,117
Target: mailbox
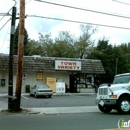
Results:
x,y
2,82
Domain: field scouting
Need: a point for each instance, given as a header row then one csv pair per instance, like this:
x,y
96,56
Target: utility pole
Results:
x,y
10,82
116,66
20,55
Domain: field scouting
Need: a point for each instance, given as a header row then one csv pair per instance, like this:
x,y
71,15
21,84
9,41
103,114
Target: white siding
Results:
x,y
31,79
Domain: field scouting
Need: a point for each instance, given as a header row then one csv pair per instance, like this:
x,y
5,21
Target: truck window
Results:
x,y
121,79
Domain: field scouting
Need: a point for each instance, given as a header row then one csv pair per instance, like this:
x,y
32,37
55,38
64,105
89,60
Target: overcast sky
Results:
x,y
35,25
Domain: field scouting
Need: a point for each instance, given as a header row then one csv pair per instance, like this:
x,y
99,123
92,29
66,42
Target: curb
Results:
x,y
4,111
34,112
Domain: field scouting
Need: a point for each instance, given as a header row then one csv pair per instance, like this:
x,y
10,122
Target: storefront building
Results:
x,y
75,73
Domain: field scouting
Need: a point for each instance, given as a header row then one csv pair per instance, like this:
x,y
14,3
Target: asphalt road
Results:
x,y
85,121
75,121
56,101
59,101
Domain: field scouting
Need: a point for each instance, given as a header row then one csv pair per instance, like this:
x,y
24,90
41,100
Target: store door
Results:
x,y
73,86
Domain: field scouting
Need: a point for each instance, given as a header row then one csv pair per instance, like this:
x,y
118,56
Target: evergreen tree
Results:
x,y
115,59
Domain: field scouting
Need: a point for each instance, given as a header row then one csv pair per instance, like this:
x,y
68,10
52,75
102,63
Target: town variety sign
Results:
x,y
67,65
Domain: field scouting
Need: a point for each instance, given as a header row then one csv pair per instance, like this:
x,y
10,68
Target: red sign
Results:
x,y
67,65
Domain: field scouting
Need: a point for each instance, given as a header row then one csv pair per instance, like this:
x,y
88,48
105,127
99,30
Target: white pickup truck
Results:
x,y
116,96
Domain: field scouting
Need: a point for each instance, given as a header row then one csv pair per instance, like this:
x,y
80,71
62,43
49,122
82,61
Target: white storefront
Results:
x,y
32,79
37,69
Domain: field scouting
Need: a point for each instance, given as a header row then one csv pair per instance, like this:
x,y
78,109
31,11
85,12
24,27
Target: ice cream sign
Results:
x,y
67,65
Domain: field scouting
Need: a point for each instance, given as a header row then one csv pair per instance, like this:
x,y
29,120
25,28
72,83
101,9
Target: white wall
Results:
x,y
31,79
4,75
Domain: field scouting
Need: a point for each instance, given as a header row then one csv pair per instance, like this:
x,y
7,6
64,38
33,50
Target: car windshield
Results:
x,y
43,86
105,84
121,79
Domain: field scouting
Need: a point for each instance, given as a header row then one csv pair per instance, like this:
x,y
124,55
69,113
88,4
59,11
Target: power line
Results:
x,y
121,2
5,14
10,15
5,24
78,22
8,11
95,11
4,39
26,3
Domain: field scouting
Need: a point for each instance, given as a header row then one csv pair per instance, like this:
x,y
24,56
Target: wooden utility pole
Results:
x,y
20,55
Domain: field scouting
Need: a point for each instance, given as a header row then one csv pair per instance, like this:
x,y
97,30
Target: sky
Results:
x,y
36,25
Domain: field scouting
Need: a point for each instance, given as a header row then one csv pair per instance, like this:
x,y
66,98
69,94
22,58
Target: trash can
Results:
x,y
27,88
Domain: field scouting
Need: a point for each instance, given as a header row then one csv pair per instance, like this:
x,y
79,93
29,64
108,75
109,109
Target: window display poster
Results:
x,y
39,75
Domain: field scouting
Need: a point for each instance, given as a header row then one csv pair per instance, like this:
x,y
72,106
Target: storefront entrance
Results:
x,y
80,80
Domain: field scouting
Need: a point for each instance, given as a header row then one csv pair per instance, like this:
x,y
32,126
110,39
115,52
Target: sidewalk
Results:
x,y
65,110
56,110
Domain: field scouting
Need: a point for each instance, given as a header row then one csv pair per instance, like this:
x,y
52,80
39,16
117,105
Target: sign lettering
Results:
x,y
67,65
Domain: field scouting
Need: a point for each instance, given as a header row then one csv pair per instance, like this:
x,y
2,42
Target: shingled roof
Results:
x,y
32,63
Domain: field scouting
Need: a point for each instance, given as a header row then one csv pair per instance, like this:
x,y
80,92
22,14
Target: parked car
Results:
x,y
41,90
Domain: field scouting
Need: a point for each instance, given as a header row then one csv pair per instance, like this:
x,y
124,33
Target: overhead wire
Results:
x,y
4,38
6,33
10,15
6,14
8,21
5,23
26,3
8,11
77,22
106,13
121,2
95,11
90,10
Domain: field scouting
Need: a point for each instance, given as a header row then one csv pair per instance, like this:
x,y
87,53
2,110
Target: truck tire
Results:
x,y
104,109
123,105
